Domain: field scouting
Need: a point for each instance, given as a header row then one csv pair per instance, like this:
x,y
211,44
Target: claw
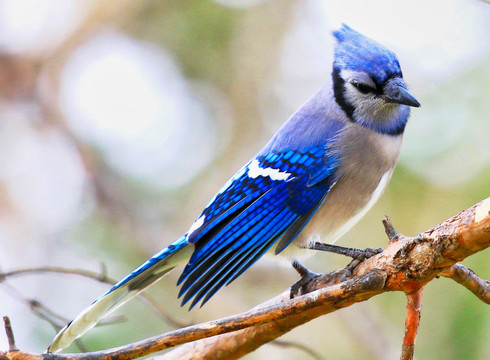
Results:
x,y
306,277
359,258
362,255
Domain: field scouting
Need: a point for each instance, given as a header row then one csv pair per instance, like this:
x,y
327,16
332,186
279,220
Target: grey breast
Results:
x,y
367,163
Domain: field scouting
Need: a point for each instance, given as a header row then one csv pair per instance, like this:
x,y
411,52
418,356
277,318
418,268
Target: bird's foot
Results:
x,y
306,277
358,256
363,254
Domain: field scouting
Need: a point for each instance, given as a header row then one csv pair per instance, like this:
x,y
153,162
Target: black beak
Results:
x,y
395,92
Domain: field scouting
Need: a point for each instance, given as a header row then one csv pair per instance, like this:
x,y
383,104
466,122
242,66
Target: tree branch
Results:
x,y
407,264
414,306
306,349
10,334
466,277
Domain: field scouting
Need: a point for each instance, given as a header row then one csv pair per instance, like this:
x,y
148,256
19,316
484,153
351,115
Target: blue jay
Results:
x,y
317,176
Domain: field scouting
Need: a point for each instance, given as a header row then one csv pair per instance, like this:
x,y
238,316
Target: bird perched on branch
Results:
x,y
317,176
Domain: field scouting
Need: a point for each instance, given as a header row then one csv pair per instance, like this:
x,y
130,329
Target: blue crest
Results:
x,y
355,51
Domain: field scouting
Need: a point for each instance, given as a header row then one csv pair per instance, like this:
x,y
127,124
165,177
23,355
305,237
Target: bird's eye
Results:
x,y
363,88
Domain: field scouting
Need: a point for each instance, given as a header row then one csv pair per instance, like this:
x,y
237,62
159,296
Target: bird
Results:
x,y
317,176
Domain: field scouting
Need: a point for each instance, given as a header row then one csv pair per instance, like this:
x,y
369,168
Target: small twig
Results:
x,y
10,334
389,229
81,346
362,323
466,277
57,322
39,309
155,305
54,319
42,311
414,305
99,276
282,343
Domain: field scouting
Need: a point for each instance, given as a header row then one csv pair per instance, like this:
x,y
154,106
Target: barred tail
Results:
x,y
145,275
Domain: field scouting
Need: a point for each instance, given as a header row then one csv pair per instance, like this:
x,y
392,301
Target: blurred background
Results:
x,y
119,120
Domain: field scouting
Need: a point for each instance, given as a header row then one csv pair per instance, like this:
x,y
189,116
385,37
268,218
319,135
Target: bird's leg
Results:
x,y
306,276
357,255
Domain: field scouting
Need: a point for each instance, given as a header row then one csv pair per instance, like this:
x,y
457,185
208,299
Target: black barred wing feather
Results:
x,y
267,201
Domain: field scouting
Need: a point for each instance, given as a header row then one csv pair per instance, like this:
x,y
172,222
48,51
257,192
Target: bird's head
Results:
x,y
368,83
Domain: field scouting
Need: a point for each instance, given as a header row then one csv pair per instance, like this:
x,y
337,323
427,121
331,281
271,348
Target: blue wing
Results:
x,y
269,200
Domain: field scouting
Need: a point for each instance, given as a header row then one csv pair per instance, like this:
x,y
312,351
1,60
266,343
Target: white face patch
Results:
x,y
254,170
369,108
197,224
362,77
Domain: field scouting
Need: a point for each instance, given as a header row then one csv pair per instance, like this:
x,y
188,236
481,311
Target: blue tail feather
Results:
x,y
145,275
154,261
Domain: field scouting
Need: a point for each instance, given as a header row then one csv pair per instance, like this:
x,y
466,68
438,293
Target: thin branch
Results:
x,y
389,229
362,323
10,334
414,305
99,276
48,315
155,305
466,277
55,320
304,348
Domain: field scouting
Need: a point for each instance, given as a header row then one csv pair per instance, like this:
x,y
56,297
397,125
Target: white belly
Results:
x,y
332,237
338,214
